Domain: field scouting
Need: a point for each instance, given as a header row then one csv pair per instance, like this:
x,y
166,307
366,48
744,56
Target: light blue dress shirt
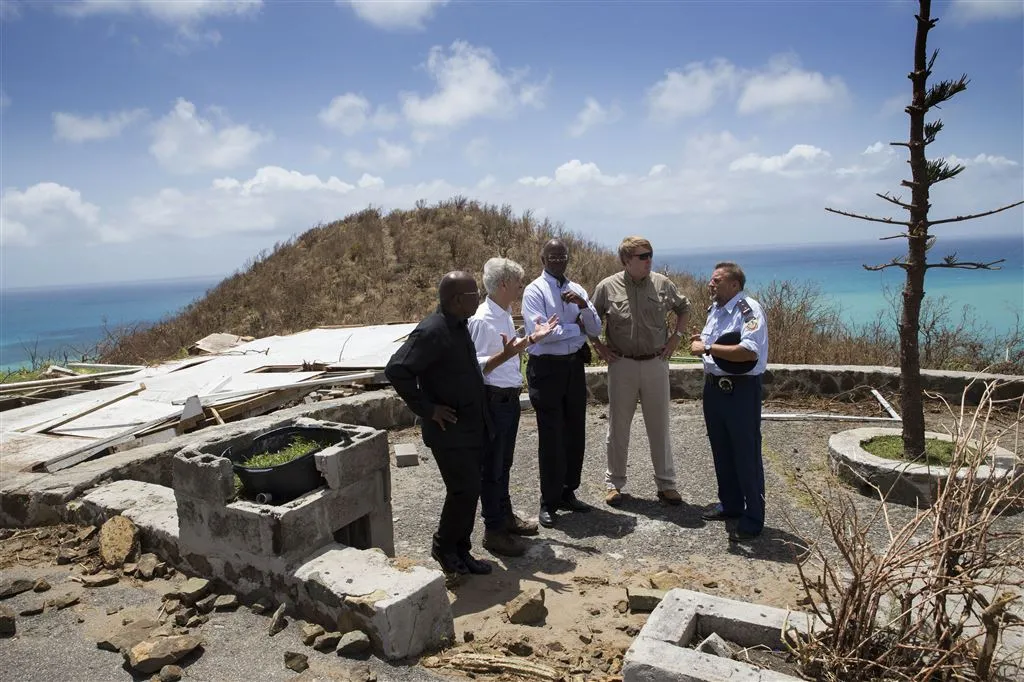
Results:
x,y
543,298
729,318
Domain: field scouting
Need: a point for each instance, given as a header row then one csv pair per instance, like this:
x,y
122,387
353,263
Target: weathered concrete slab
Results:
x,y
403,611
660,651
406,455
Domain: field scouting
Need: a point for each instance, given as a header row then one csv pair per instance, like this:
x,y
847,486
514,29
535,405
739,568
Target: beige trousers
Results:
x,y
629,380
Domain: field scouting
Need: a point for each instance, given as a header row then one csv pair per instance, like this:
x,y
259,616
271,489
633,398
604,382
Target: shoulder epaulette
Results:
x,y
748,312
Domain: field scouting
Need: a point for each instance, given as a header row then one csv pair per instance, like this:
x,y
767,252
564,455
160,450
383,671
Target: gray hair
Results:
x,y
499,270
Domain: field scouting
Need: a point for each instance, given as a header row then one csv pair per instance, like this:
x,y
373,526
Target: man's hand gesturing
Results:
x,y
442,414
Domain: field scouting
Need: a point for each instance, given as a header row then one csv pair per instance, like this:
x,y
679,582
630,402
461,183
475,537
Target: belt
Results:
x,y
560,358
641,358
726,383
495,390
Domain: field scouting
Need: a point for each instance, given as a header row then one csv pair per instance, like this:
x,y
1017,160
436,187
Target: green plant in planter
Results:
x,y
937,452
297,448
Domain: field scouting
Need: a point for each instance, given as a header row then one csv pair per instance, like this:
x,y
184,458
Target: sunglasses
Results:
x,y
644,256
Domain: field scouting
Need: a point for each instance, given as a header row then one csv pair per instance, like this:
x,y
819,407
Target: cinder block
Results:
x,y
203,476
343,464
406,455
404,612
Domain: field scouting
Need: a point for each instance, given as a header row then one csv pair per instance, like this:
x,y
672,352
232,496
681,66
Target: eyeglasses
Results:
x,y
644,256
558,259
473,294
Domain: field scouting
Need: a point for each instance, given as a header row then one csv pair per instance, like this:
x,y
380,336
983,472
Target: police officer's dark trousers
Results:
x,y
460,470
558,393
733,421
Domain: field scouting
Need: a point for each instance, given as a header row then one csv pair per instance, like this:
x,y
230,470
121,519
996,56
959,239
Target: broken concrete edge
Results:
x,y
404,612
37,499
908,483
660,651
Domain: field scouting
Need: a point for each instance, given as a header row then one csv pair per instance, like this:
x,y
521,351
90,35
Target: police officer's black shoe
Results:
x,y
473,565
450,561
741,536
546,518
716,513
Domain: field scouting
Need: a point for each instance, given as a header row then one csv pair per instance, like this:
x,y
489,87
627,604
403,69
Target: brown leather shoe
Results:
x,y
503,543
613,497
670,496
517,526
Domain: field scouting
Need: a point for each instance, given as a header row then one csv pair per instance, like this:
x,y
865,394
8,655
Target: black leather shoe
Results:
x,y
546,518
518,526
715,513
450,562
473,565
742,536
572,503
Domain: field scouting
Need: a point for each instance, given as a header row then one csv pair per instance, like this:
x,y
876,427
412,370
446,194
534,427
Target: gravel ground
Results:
x,y
584,563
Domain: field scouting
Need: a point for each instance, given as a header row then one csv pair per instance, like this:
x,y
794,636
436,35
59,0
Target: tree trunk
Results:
x,y
911,400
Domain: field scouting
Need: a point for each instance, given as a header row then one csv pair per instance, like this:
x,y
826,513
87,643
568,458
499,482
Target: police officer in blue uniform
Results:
x,y
734,347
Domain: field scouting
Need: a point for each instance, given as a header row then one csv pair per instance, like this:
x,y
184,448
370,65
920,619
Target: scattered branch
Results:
x,y
888,221
893,200
965,265
894,263
961,218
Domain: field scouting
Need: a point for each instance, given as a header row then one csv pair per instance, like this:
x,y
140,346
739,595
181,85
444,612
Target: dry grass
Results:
x,y
375,267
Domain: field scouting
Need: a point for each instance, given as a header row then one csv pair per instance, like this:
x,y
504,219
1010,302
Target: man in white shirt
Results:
x,y
497,349
558,385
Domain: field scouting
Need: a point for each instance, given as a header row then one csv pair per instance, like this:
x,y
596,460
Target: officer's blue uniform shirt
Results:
x,y
729,318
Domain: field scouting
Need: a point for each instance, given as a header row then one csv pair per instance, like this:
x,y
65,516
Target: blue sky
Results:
x,y
173,139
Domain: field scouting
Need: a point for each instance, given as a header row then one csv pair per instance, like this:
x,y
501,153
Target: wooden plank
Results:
x,y
215,398
75,414
19,386
78,455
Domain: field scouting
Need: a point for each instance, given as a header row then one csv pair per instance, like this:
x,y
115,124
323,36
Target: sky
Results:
x,y
145,139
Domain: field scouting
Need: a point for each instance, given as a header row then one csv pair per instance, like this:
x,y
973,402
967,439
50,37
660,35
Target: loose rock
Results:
x,y
226,602
353,643
170,673
14,588
205,605
63,601
8,622
119,540
99,580
327,641
32,610
277,621
296,661
310,631
127,636
151,655
713,644
259,607
666,580
41,585
147,566
193,590
528,608
130,569
641,600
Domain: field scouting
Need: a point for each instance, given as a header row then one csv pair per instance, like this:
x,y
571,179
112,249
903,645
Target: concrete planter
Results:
x,y
916,485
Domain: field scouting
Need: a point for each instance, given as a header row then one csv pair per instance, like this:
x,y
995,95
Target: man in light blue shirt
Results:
x,y
734,347
557,381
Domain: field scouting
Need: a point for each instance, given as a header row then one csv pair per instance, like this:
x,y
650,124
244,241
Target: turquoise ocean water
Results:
x,y
50,320
994,298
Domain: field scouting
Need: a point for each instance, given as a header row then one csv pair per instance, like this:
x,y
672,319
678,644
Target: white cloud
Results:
x,y
800,158
393,15
574,173
469,84
783,87
387,155
45,211
83,128
982,160
350,113
691,91
275,178
367,181
184,142
983,10
5,101
875,148
175,12
593,114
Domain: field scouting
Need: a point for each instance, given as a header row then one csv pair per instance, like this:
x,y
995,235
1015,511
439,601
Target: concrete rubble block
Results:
x,y
642,599
674,620
203,476
403,612
151,507
244,526
406,454
715,645
342,464
305,524
649,660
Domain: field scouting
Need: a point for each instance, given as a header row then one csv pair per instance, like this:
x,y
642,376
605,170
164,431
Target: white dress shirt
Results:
x,y
486,326
729,318
543,298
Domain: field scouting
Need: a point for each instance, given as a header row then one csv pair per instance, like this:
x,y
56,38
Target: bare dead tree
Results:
x,y
924,174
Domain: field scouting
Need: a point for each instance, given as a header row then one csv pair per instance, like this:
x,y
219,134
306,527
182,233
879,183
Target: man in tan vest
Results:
x,y
634,304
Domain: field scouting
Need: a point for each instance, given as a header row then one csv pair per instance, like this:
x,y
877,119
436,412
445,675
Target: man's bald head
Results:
x,y
556,244
554,256
451,292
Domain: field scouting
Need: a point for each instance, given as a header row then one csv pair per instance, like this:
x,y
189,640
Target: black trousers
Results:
x,y
460,470
733,421
558,393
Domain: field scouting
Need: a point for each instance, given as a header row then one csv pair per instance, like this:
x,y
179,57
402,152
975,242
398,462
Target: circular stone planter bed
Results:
x,y
916,485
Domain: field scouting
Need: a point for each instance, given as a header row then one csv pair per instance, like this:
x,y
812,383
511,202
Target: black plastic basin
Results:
x,y
286,481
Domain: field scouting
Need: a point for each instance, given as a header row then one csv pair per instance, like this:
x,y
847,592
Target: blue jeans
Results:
x,y
496,462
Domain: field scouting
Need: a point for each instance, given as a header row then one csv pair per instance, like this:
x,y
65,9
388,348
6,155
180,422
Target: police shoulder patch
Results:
x,y
745,309
752,324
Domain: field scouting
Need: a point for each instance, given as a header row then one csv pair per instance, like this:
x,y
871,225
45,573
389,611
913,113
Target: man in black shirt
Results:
x,y
437,375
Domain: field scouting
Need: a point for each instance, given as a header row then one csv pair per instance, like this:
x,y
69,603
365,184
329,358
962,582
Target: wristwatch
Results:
x,y
707,349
